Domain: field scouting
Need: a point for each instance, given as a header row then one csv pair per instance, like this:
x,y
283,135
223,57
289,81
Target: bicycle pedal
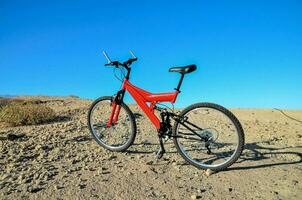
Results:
x,y
166,138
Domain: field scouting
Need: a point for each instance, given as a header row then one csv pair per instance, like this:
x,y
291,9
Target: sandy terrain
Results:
x,y
61,161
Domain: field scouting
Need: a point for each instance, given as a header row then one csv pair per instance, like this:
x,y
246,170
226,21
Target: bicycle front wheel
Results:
x,y
117,137
208,136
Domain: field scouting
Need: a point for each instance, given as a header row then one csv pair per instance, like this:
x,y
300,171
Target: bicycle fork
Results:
x,y
115,111
116,108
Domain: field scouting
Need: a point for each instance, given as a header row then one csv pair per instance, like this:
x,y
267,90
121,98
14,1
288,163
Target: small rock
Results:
x,y
129,173
230,189
12,136
295,182
91,169
149,162
202,190
194,196
28,179
82,185
58,187
209,172
147,142
74,161
34,189
112,157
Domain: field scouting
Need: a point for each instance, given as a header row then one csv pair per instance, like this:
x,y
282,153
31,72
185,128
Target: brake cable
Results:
x,y
122,73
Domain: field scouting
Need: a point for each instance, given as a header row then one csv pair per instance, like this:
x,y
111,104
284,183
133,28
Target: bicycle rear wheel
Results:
x,y
209,136
117,137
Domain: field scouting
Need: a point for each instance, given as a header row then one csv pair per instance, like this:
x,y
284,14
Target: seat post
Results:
x,y
180,82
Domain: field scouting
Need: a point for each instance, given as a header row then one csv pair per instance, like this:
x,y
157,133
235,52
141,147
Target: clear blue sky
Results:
x,y
248,53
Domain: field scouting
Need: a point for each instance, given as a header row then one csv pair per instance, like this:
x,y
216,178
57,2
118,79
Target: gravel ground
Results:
x,y
60,160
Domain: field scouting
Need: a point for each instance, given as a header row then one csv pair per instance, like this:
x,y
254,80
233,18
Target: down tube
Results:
x,y
142,103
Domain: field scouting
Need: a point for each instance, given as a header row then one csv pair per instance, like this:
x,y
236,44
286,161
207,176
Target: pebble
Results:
x,y
194,196
149,162
12,136
209,172
129,173
295,182
201,190
58,187
33,189
82,185
112,157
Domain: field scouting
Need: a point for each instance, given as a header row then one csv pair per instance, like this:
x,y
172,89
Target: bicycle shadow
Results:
x,y
254,156
146,147
255,153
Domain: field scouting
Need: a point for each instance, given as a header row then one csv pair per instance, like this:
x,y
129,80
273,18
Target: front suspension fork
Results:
x,y
115,110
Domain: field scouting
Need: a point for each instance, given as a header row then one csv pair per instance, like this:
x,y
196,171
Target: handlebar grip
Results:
x,y
114,63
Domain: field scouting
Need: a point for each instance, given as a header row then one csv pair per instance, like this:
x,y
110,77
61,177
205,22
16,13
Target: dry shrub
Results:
x,y
18,113
6,101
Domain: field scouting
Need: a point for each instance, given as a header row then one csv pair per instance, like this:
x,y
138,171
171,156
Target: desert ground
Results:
x,y
60,160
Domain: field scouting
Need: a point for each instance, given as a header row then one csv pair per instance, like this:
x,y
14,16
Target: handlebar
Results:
x,y
125,64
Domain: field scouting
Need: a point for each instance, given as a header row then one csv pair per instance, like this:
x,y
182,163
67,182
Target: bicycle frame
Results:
x,y
142,98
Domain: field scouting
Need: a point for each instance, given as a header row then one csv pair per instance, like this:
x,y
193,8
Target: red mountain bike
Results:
x,y
206,135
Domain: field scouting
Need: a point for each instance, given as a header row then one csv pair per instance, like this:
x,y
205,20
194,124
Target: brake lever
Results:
x,y
114,63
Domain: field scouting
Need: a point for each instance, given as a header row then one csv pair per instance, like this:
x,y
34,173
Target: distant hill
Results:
x,y
7,96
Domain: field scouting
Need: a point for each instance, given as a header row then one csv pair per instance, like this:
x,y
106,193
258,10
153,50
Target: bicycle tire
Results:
x,y
231,117
132,133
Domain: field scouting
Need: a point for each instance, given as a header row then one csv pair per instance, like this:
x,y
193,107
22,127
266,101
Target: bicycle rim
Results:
x,y
221,131
116,136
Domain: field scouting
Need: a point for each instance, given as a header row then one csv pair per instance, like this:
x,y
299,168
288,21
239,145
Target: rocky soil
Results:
x,y
60,160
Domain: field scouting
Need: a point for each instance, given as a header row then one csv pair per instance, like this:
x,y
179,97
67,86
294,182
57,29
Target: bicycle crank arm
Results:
x,y
160,153
161,150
